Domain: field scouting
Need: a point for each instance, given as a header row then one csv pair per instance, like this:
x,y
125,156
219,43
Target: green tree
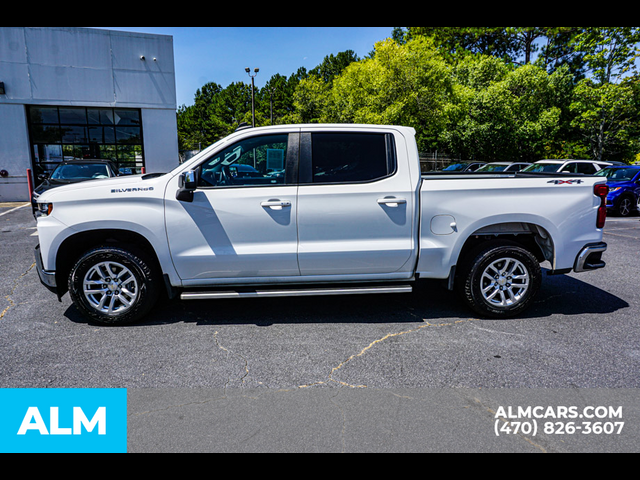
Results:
x,y
401,84
310,100
501,113
399,35
196,125
605,108
523,40
606,117
558,50
455,42
550,47
276,97
610,52
216,113
333,65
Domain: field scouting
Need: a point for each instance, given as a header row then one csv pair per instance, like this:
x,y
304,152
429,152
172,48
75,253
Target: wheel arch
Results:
x,y
530,236
72,249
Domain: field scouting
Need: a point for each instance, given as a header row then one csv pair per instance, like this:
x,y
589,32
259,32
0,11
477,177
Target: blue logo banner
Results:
x,y
63,421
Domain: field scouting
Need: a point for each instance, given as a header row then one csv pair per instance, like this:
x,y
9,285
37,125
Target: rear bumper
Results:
x,y
590,258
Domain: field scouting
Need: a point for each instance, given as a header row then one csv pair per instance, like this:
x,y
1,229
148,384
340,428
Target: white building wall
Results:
x,y
72,66
160,139
14,153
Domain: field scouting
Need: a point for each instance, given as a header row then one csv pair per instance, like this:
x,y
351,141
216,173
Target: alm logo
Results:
x,y
33,421
63,421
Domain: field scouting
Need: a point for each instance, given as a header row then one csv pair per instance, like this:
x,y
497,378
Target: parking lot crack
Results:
x,y
229,352
9,297
375,343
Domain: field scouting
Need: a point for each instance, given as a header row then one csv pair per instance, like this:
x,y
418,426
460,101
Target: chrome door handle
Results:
x,y
392,202
276,204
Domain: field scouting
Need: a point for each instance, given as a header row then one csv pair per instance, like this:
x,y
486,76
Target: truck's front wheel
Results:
x,y
501,281
113,286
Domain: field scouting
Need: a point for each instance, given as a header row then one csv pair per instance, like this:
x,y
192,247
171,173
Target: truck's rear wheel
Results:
x,y
113,286
501,280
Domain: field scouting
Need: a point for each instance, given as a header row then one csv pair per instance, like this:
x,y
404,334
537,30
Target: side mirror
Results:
x,y
188,184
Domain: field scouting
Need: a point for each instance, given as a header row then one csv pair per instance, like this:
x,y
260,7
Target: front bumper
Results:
x,y
590,258
48,279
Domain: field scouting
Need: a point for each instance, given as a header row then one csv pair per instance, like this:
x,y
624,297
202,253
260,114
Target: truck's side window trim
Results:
x,y
313,167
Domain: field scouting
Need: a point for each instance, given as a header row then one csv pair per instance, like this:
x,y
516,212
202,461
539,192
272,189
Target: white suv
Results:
x,y
585,167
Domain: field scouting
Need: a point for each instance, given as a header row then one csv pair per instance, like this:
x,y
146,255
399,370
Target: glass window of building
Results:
x,y
66,133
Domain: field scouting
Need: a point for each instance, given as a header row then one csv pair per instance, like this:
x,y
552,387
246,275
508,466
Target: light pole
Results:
x,y
253,93
272,90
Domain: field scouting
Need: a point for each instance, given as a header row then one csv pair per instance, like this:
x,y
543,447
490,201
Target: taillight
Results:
x,y
602,191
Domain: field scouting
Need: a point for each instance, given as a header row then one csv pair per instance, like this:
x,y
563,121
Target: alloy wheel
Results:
x,y
505,282
111,288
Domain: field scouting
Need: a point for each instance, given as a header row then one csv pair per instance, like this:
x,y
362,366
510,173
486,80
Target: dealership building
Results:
x,y
82,93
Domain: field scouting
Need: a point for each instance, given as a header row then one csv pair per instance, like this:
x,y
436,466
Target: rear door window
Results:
x,y
339,158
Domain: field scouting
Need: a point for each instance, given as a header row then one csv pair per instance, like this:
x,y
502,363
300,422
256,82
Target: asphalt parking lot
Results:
x,y
376,373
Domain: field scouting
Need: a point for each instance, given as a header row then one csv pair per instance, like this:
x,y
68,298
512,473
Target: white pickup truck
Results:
x,y
304,210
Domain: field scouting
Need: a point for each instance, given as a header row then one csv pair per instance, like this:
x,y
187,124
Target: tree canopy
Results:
x,y
485,93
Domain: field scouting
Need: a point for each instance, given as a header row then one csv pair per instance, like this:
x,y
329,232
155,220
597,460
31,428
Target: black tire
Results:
x,y
122,300
625,206
513,294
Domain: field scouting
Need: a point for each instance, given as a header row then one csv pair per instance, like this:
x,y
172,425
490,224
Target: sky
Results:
x,y
221,54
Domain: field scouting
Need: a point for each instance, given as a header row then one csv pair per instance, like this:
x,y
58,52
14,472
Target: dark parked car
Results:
x,y
506,167
624,189
464,167
75,171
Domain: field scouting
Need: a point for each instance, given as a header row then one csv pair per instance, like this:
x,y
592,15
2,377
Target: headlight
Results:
x,y
44,209
615,189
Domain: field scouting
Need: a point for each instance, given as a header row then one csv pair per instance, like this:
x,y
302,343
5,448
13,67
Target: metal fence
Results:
x,y
434,162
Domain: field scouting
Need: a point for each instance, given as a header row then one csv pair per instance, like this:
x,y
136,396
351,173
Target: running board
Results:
x,y
307,292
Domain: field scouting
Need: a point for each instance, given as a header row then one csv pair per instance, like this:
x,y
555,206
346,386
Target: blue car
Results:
x,y
624,189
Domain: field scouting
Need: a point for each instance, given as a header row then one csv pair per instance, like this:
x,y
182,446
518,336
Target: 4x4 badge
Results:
x,y
566,182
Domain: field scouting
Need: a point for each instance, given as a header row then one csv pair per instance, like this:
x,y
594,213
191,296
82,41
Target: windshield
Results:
x,y
543,167
81,172
619,174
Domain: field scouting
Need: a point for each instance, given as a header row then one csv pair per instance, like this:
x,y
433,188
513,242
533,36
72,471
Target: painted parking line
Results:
x,y
14,209
621,236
